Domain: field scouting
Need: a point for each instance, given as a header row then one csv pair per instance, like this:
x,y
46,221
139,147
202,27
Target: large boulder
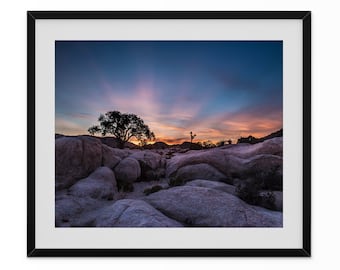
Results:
x,y
272,146
121,153
230,159
75,158
132,213
229,165
149,158
111,157
68,209
151,163
261,161
127,171
198,206
101,184
204,171
212,184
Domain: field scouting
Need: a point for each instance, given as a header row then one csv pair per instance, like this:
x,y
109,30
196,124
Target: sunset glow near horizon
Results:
x,y
219,90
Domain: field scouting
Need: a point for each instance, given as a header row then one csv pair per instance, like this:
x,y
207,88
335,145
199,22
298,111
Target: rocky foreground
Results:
x,y
230,186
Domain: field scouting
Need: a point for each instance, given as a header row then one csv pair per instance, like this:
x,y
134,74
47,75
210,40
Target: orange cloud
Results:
x,y
172,122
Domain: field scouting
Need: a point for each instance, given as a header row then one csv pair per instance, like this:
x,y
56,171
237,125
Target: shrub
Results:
x,y
146,171
268,178
169,154
250,191
188,222
267,200
208,144
220,143
127,187
250,139
175,181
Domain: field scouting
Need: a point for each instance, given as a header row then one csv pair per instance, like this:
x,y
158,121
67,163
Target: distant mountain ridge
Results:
x,y
157,145
251,139
278,133
113,142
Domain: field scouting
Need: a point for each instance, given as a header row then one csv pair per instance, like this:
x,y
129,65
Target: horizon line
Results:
x,y
180,140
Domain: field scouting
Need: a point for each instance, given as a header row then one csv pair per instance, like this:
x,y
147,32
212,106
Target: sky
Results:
x,y
219,90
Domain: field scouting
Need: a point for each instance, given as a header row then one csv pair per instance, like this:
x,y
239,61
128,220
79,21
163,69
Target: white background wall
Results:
x,y
325,130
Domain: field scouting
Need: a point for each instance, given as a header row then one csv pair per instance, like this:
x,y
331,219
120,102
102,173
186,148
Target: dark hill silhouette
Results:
x,y
163,145
188,145
252,140
113,142
157,145
278,133
160,145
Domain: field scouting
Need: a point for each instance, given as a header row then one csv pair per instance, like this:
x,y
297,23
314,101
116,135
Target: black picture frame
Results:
x,y
304,16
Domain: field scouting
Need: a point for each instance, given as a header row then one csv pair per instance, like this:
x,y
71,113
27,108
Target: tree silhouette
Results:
x,y
123,127
220,143
192,136
93,130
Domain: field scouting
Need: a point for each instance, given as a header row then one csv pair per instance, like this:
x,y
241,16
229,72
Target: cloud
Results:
x,y
68,127
140,101
173,121
257,120
166,119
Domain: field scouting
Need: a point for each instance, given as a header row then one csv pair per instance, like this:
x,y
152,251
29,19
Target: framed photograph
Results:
x,y
169,133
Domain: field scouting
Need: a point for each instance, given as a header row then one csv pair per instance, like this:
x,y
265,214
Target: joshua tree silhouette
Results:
x,y
192,136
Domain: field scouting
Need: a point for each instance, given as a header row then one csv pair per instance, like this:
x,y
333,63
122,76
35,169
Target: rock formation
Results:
x,y
229,186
